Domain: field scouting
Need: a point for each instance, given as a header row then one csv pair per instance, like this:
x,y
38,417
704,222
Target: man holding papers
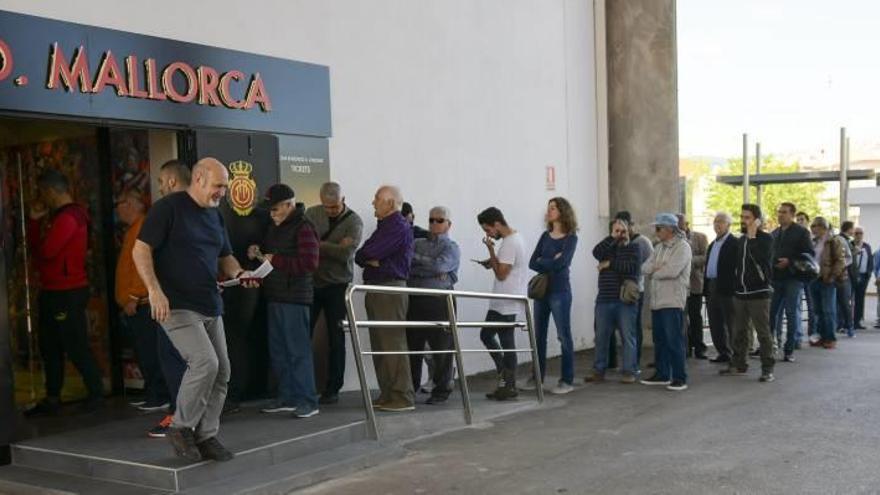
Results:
x,y
182,249
291,246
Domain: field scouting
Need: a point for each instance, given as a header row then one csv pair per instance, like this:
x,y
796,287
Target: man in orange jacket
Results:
x,y
131,296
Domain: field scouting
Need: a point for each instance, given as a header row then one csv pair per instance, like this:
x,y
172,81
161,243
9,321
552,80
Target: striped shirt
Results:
x,y
625,264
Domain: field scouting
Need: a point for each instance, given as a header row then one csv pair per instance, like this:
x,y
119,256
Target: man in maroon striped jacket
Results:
x,y
291,245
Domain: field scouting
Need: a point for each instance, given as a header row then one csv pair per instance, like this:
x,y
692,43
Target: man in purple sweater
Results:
x,y
385,258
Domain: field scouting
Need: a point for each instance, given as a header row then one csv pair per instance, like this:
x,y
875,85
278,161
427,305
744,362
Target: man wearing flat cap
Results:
x,y
291,246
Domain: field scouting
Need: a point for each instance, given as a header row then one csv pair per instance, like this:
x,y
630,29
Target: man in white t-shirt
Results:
x,y
509,263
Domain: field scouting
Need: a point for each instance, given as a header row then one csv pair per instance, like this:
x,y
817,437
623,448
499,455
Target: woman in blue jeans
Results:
x,y
553,256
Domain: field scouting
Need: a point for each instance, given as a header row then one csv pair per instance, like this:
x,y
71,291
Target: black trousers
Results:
x,y
506,339
721,320
146,333
695,324
430,308
64,331
240,313
331,300
859,290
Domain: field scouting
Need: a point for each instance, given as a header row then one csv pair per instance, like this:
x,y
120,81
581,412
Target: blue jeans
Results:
x,y
559,305
290,351
669,344
612,315
825,307
786,298
845,307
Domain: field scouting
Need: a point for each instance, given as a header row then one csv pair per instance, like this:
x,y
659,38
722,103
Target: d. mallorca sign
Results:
x,y
61,68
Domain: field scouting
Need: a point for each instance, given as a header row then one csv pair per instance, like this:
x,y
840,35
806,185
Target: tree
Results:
x,y
808,196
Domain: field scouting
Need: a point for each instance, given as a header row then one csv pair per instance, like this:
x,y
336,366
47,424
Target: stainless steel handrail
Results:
x,y
452,325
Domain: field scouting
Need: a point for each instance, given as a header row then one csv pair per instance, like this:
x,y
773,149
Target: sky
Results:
x,y
789,73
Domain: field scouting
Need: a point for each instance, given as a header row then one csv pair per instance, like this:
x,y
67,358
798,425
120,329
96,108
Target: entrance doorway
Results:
x,y
100,163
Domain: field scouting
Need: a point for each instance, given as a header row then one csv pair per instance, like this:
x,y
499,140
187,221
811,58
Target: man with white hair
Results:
x,y
434,266
339,231
385,258
719,286
180,253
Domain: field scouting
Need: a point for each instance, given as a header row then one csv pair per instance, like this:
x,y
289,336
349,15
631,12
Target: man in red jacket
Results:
x,y
59,255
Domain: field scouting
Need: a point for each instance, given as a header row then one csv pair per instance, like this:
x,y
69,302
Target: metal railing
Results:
x,y
452,326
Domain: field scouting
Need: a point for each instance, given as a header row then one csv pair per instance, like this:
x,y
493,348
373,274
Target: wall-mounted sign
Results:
x,y
550,177
62,68
304,164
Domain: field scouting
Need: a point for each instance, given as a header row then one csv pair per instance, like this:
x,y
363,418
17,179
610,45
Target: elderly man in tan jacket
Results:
x,y
832,269
669,269
699,250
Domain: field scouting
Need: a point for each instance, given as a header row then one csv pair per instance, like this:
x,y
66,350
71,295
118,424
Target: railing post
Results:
x,y
459,361
372,426
533,343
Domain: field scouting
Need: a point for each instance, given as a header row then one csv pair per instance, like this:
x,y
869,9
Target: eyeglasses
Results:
x,y
436,220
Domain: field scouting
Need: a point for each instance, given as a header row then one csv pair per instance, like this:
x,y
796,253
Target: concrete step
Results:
x,y
17,480
119,451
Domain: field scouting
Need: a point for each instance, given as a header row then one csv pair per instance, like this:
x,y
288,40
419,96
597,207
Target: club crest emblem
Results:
x,y
242,188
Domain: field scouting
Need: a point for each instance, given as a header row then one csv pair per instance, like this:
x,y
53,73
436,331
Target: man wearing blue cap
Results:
x,y
670,271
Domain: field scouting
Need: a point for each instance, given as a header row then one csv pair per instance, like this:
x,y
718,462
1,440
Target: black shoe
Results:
x,y
230,408
720,359
755,354
184,442
655,380
503,393
328,398
700,356
437,399
731,371
214,450
46,407
677,386
788,358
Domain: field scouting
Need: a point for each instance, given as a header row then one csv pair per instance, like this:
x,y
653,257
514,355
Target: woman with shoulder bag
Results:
x,y
552,259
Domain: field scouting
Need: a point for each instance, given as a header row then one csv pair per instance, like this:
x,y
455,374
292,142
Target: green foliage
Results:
x,y
807,196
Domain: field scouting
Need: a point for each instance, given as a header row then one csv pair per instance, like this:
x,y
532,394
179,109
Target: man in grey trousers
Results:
x,y
182,248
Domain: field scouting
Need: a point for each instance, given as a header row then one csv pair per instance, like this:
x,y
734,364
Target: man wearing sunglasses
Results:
x,y
434,266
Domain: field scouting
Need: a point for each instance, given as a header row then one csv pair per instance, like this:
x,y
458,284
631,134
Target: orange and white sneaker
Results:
x,y
161,429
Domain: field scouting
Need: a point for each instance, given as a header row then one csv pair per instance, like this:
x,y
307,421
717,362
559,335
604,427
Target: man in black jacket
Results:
x,y
791,242
863,259
752,295
291,246
719,286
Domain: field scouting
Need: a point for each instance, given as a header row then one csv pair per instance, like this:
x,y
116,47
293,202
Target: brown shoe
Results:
x,y
628,379
829,344
594,377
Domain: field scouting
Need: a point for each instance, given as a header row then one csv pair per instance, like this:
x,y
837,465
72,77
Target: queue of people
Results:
x,y
174,255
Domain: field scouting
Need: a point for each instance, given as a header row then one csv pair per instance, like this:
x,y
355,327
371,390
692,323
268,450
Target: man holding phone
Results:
x,y
509,264
752,295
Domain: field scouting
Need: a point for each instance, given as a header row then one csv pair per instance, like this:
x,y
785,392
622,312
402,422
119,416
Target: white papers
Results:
x,y
260,273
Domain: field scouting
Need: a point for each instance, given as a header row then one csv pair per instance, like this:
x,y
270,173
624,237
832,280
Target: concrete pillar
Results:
x,y
642,107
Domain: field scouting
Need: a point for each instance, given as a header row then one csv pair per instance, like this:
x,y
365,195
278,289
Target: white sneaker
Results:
x,y
562,388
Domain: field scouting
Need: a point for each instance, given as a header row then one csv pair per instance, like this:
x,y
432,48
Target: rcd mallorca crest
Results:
x,y
242,188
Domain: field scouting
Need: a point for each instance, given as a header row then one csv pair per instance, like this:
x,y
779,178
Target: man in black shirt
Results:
x,y
791,242
182,248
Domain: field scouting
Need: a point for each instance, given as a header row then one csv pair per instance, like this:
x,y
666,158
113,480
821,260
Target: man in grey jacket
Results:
x,y
669,269
434,266
339,231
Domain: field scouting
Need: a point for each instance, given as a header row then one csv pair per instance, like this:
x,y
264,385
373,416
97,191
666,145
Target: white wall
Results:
x,y
459,102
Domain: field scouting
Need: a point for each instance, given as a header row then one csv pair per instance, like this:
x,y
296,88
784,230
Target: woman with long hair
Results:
x,y
553,256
